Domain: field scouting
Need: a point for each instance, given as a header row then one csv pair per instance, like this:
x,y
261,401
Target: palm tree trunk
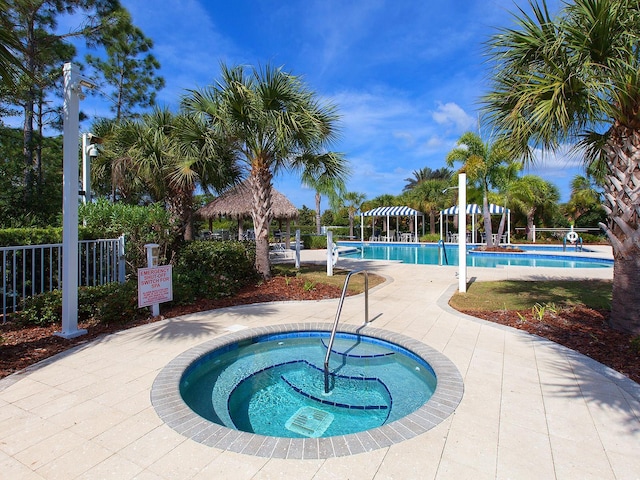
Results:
x,y
487,220
260,182
318,220
622,204
530,216
432,222
503,220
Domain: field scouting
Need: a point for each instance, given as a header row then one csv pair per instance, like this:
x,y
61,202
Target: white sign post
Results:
x,y
298,248
329,253
155,283
154,287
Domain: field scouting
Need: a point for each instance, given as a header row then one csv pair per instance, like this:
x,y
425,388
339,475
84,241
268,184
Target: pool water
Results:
x,y
425,254
274,385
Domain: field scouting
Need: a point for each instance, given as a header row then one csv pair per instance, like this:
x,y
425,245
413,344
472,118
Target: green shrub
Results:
x,y
30,236
430,237
41,310
205,269
118,303
314,242
139,224
113,302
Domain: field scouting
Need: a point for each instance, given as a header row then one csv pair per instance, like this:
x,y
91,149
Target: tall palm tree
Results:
x,y
429,196
326,174
481,161
425,174
584,198
273,118
532,194
576,79
353,202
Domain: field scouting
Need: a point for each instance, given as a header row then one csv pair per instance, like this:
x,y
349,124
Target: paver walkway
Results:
x,y
531,409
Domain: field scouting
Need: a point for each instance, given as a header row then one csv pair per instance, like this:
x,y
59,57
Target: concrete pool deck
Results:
x,y
530,408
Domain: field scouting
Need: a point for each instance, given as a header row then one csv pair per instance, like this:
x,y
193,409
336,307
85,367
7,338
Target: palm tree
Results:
x,y
481,161
324,173
164,157
273,118
584,198
429,196
425,174
531,195
10,64
576,79
504,179
353,202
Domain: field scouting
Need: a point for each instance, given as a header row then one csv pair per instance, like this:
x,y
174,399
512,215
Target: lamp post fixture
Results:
x,y
71,131
90,151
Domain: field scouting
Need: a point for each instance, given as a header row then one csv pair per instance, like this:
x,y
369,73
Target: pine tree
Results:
x,y
129,68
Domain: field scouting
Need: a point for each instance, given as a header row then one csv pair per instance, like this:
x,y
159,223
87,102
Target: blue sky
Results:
x,y
406,75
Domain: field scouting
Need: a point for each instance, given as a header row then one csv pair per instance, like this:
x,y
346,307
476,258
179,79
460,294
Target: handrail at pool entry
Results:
x,y
339,311
444,250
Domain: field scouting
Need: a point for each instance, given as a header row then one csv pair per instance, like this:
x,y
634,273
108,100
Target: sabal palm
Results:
x,y
576,79
425,174
352,201
165,157
584,197
430,197
273,118
532,194
326,174
481,162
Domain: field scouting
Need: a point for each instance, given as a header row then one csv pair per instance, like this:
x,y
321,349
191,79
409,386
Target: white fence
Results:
x,y
28,270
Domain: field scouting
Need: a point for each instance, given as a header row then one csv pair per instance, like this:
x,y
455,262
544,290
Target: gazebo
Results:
x,y
236,203
397,212
474,209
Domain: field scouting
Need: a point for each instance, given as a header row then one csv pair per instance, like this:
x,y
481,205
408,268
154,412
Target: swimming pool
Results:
x,y
443,392
431,254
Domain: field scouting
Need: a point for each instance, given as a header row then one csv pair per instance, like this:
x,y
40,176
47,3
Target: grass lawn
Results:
x,y
316,273
522,295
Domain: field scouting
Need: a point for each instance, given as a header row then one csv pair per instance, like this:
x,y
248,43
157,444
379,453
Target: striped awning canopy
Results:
x,y
393,212
475,209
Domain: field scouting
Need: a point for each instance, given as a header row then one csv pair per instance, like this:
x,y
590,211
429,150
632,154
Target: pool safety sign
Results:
x,y
154,285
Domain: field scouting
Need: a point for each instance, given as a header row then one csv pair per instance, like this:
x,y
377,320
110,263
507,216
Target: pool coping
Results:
x,y
171,408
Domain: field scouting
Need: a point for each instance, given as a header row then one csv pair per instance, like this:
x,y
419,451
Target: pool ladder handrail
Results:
x,y
444,250
339,311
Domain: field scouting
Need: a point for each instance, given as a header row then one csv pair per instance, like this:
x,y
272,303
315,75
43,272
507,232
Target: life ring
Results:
x,y
334,254
572,237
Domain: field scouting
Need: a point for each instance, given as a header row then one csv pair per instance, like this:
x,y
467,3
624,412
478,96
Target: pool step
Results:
x,y
351,349
351,392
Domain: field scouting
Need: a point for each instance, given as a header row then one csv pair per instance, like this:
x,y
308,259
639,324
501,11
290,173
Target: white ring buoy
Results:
x,y
572,237
334,254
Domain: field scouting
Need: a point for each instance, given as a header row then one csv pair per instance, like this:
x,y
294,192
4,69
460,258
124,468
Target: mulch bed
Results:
x,y
581,329
24,346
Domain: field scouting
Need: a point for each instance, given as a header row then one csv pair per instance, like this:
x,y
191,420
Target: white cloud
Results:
x,y
451,114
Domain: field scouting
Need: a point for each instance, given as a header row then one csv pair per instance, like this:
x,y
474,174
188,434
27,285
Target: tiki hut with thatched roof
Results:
x,y
235,203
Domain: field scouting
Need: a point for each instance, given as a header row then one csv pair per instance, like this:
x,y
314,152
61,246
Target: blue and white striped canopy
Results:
x,y
393,212
475,209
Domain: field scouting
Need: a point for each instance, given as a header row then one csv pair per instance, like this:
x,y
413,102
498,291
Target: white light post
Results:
x,y
71,133
462,232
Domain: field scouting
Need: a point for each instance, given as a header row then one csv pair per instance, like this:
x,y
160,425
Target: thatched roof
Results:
x,y
236,202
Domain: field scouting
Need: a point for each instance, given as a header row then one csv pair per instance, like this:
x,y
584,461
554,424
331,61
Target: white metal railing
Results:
x,y
28,270
335,322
